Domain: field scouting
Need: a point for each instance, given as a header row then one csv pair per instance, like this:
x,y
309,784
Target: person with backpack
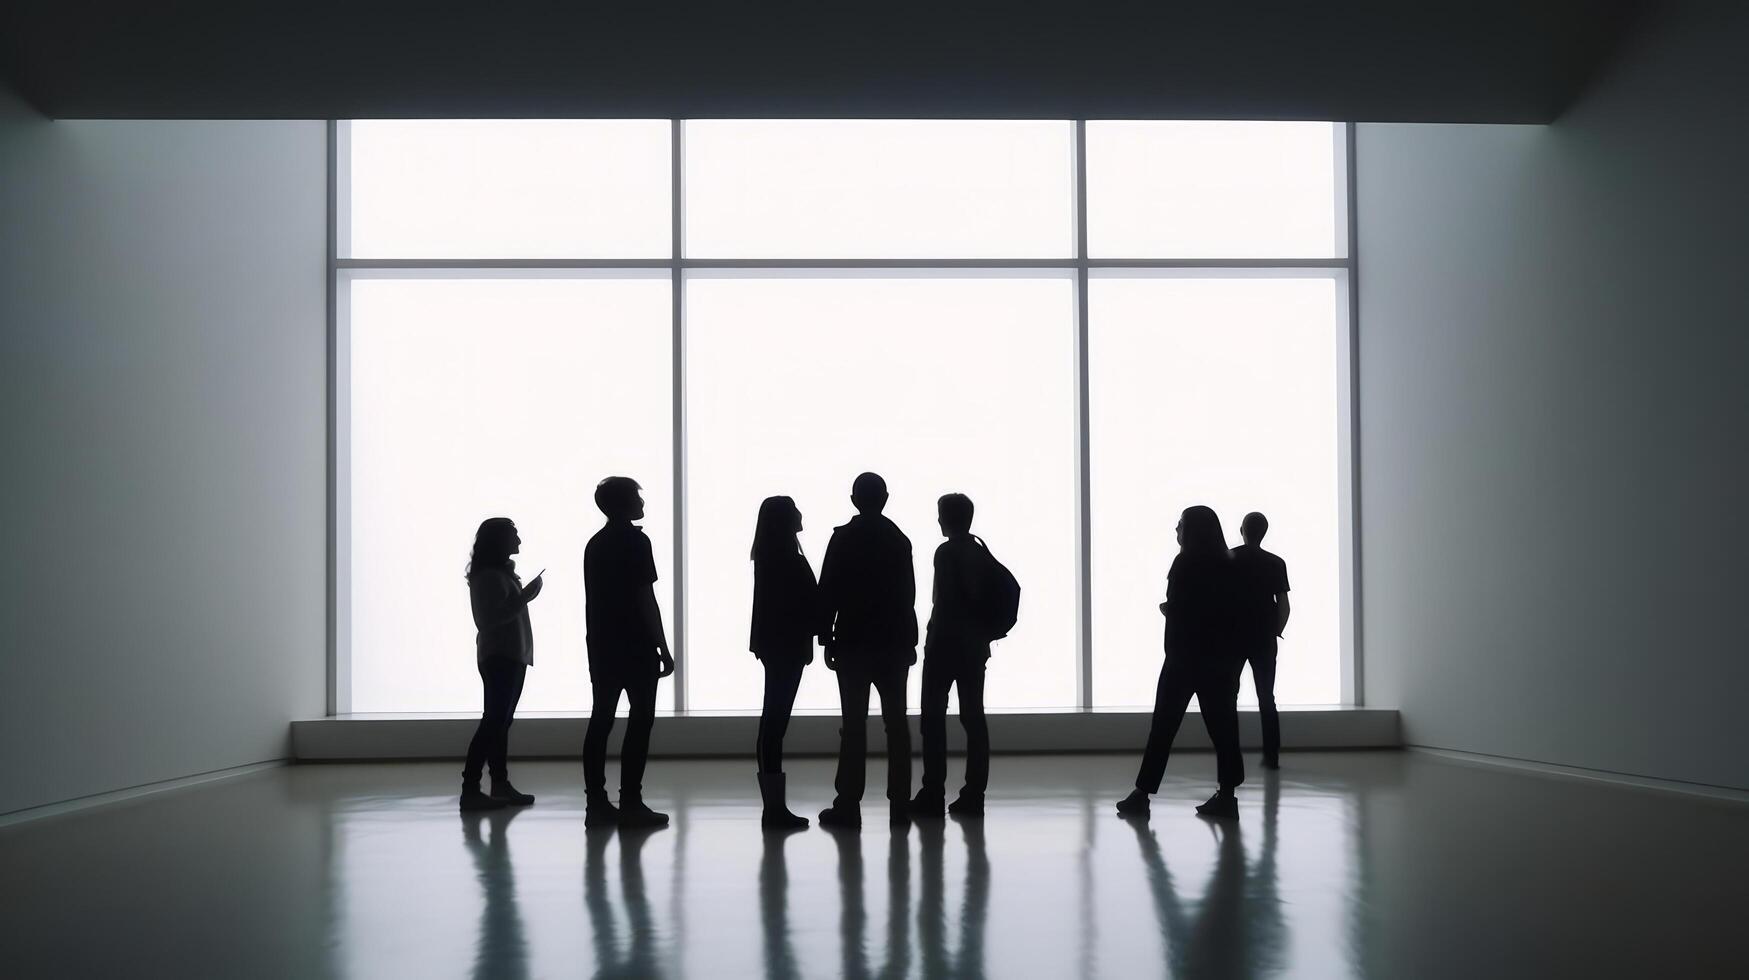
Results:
x,y
974,602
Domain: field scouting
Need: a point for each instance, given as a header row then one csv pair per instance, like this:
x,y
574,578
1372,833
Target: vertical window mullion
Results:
x,y
678,382
1084,535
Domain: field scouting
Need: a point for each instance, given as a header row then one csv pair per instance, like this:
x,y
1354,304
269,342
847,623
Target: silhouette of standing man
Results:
x,y
868,589
1263,612
955,652
627,653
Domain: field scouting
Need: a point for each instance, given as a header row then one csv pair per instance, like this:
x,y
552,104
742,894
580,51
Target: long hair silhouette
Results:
x,y
1203,537
491,546
774,535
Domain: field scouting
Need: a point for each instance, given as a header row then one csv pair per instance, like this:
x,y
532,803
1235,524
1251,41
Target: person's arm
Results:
x,y
831,572
909,577
496,600
653,623
1282,609
649,611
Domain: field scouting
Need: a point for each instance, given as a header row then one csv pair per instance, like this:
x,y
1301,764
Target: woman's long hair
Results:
x,y
1202,533
774,536
491,547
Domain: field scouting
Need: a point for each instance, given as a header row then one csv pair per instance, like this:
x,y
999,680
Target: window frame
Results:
x,y
342,271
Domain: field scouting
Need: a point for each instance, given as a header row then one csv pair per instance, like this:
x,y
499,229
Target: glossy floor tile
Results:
x,y
1345,864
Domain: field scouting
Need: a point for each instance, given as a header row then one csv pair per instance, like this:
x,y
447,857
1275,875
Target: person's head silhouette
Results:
x,y
494,543
1199,532
619,498
954,512
1253,528
775,533
869,494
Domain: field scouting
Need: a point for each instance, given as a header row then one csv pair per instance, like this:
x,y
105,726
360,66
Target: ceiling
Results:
x,y
1359,60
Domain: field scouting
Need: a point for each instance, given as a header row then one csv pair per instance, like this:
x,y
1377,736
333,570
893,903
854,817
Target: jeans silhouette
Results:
x,y
607,680
1261,657
885,672
944,668
1214,680
501,678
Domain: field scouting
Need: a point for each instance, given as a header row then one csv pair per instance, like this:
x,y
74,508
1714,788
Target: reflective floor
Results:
x,y
1344,864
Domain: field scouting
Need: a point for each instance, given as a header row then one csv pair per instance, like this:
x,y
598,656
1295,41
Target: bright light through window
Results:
x,y
939,384
888,295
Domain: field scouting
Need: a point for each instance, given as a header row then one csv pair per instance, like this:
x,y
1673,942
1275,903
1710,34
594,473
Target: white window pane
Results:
x,y
879,189
797,384
1219,392
1212,190
510,188
476,398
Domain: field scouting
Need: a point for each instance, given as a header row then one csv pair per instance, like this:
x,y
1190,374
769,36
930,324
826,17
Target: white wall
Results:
x,y
1555,418
163,376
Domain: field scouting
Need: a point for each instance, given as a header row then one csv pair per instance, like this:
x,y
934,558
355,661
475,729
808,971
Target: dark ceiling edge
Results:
x,y
1625,32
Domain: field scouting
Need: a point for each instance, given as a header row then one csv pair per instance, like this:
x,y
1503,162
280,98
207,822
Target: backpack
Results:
x,y
998,595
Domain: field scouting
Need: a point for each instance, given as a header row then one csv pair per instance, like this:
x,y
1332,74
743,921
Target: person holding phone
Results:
x,y
503,652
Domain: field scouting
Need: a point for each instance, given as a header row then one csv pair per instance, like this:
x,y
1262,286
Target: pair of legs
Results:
x,y
1261,656
943,668
501,681
609,677
783,676
885,672
1215,683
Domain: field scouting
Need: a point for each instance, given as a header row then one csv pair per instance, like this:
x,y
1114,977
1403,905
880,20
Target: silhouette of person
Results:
x,y
1200,661
780,954
503,652
968,961
786,617
637,958
955,651
502,950
628,653
868,591
1263,613
853,917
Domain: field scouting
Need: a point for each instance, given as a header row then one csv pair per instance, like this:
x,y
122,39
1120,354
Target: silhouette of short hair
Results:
x,y
956,512
1202,532
616,495
1254,526
869,492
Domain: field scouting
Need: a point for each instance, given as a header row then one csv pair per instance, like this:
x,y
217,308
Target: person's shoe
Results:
x,y
967,805
1134,805
599,811
502,790
1271,762
777,815
633,813
927,806
473,800
842,817
1221,805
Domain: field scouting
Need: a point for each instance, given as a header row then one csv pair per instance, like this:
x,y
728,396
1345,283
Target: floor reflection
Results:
x,y
1344,864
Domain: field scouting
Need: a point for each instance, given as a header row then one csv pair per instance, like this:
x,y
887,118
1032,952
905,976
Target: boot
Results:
x,y
1134,805
598,811
473,800
502,790
844,817
1223,805
633,813
928,804
968,805
777,815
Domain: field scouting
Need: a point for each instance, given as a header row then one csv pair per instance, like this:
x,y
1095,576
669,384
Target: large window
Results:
x,y
1085,327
